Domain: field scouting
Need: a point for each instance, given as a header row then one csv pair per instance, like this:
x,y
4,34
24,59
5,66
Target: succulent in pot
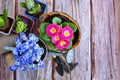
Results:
x,y
34,8
20,25
23,24
6,23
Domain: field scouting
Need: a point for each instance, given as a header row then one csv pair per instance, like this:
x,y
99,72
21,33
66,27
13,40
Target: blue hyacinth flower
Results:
x,y
27,53
23,36
33,37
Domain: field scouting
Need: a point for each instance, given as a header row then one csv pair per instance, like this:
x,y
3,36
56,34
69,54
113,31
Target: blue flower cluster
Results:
x,y
27,53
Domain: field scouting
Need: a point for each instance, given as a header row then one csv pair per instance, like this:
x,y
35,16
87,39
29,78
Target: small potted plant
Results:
x,y
6,23
29,52
61,33
23,24
34,8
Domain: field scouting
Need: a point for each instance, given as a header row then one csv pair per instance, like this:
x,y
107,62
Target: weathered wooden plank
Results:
x,y
40,74
67,7
104,38
46,74
18,8
29,74
81,12
5,73
117,40
61,6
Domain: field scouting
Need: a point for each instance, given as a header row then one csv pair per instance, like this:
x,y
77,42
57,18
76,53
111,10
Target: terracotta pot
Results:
x,y
6,30
28,21
65,17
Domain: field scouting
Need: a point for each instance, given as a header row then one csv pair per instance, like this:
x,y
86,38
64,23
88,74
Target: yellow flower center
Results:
x,y
53,30
62,43
57,38
66,33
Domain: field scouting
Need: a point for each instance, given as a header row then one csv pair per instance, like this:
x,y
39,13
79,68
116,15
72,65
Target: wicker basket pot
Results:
x,y
65,17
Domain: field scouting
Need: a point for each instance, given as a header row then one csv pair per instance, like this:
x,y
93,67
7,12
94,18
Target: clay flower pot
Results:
x,y
28,21
36,16
6,30
65,18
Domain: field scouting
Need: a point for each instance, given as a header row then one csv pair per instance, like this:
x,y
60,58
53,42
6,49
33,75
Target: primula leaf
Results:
x,y
43,27
72,38
45,37
5,13
22,4
64,24
70,46
56,20
73,26
41,36
52,46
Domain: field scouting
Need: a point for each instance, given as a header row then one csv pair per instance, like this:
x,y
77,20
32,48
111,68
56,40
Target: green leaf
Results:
x,y
45,37
70,46
41,36
5,13
64,24
2,22
22,4
72,38
18,19
43,27
73,26
52,46
56,20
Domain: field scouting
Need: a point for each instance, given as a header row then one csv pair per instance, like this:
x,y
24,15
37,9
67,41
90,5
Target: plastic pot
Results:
x,y
28,21
6,30
36,16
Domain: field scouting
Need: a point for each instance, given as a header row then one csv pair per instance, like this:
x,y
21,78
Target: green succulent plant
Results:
x,y
3,18
31,6
20,25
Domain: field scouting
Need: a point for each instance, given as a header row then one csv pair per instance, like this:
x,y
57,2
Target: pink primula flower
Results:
x,y
55,38
67,33
52,29
62,44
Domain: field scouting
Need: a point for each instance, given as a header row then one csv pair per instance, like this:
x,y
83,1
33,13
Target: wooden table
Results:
x,y
99,52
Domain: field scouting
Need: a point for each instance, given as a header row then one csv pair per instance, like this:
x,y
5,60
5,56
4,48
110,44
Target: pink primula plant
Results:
x,y
52,29
67,33
60,36
62,44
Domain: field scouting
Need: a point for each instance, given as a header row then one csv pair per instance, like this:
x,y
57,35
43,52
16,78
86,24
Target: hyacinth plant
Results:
x,y
58,35
20,26
27,53
31,6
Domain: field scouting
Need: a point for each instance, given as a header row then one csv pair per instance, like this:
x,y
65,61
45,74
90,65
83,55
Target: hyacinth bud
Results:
x,y
29,4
